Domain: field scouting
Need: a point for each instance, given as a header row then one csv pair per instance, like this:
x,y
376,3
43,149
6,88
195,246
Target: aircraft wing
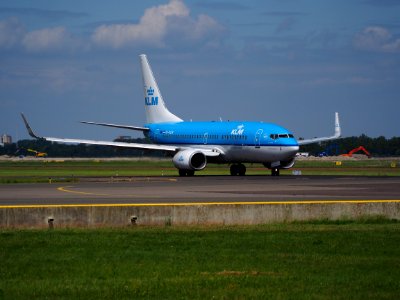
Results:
x,y
118,126
93,142
115,144
170,148
207,152
337,134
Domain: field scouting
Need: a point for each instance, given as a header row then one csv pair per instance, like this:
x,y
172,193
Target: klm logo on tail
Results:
x,y
150,99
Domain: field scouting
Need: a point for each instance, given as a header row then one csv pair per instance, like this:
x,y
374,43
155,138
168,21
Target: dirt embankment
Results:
x,y
355,157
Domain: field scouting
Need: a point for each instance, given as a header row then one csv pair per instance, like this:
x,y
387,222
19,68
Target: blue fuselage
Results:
x,y
239,141
221,133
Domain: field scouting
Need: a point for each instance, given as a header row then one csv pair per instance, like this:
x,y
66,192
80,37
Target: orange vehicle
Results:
x,y
37,153
361,148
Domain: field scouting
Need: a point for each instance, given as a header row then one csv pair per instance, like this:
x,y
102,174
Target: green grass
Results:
x,y
41,171
349,260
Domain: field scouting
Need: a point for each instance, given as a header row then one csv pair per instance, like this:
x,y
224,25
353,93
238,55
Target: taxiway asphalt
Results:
x,y
203,189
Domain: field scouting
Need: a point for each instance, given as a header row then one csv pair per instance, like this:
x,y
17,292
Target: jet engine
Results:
x,y
190,160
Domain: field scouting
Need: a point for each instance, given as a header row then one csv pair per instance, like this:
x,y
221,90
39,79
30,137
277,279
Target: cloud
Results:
x,y
376,38
47,39
14,35
11,33
156,25
164,26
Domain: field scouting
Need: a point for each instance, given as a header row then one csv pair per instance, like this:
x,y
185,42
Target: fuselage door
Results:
x,y
205,138
257,138
157,135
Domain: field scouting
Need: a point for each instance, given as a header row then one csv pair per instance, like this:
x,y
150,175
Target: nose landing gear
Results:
x,y
186,172
275,172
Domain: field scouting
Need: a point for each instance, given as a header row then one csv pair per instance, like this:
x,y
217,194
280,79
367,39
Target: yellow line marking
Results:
x,y
65,189
142,179
203,203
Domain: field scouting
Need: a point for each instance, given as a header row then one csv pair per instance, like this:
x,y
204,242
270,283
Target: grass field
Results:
x,y
41,170
342,260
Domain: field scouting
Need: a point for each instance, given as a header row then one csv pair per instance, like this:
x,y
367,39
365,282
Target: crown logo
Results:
x,y
150,92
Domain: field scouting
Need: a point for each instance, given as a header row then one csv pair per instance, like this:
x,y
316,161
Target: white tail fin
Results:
x,y
156,111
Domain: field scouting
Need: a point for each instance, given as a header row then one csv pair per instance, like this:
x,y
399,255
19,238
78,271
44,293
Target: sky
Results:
x,y
290,62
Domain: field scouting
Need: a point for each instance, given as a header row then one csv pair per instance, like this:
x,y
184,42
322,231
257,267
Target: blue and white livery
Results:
x,y
195,144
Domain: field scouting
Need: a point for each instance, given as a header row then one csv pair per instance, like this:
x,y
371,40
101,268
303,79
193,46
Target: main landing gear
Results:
x,y
238,169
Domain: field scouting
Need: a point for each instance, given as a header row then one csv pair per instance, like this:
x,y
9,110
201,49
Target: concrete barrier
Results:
x,y
63,216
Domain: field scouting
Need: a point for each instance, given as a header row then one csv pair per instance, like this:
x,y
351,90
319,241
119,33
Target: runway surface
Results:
x,y
203,189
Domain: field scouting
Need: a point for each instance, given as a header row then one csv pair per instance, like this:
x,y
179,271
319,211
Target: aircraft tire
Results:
x,y
234,170
241,169
238,170
275,172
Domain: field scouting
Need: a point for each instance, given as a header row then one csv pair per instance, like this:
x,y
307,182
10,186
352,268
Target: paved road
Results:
x,y
203,189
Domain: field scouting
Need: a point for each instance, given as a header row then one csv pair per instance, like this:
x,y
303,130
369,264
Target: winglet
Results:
x,y
338,131
30,131
337,134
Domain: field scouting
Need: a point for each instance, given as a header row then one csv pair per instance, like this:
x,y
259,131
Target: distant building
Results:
x,y
5,139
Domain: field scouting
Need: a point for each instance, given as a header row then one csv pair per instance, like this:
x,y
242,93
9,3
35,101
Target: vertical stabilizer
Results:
x,y
156,111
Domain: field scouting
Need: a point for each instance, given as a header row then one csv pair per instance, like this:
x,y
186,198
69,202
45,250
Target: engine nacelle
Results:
x,y
190,160
282,164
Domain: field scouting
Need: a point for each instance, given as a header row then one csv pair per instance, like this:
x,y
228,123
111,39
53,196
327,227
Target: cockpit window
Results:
x,y
275,136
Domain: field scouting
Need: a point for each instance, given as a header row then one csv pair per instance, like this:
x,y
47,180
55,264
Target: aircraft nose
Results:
x,y
295,149
292,150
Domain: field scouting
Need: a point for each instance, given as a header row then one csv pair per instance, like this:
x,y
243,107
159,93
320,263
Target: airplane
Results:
x,y
195,144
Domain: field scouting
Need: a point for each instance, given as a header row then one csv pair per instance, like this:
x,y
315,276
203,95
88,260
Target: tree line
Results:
x,y
379,146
